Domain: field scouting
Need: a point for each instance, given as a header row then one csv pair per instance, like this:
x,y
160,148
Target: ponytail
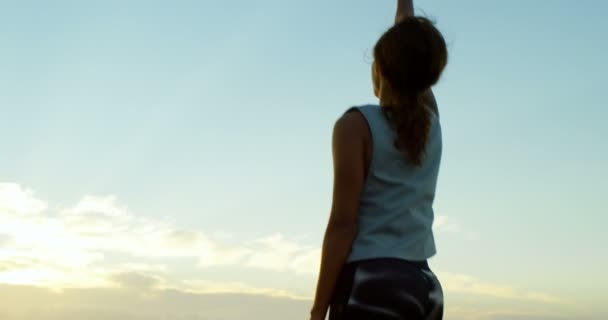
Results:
x,y
412,121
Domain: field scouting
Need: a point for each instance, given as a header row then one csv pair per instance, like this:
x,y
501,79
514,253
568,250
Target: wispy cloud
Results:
x,y
53,248
280,254
444,224
73,247
466,284
95,226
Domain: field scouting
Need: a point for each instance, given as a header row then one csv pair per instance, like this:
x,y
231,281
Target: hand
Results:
x,y
317,315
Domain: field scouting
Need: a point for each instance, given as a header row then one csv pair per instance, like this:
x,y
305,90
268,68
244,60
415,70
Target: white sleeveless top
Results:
x,y
396,206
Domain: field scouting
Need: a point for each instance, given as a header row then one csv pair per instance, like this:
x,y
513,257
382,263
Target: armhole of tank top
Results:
x,y
432,111
371,140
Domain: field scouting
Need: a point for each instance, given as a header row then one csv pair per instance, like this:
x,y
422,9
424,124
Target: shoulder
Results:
x,y
431,102
351,123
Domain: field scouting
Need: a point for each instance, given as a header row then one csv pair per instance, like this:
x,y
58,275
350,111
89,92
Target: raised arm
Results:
x,y
405,8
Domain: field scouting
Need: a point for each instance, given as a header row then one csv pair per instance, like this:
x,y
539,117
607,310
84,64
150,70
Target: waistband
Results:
x,y
424,264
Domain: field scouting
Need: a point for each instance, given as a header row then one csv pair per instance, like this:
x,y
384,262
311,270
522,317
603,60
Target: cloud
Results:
x,y
443,224
14,198
71,246
100,247
6,266
105,206
84,234
233,287
280,254
30,302
135,280
475,312
469,285
5,239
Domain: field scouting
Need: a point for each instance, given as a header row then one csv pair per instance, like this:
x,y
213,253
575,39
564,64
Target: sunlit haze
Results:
x,y
171,159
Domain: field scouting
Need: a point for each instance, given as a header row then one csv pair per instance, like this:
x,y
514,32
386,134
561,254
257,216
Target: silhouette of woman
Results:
x,y
386,163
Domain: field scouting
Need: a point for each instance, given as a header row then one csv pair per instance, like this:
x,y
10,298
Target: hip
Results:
x,y
387,288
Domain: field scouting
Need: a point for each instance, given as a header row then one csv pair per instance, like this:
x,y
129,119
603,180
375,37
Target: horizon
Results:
x,y
173,160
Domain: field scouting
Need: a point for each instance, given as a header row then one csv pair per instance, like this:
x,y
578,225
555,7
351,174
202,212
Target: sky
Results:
x,y
175,155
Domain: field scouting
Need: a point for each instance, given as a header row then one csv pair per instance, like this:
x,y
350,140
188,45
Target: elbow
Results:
x,y
345,228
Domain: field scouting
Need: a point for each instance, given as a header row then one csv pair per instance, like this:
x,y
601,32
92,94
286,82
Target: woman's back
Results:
x,y
395,212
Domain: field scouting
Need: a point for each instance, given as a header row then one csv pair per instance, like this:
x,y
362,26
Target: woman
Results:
x,y
386,162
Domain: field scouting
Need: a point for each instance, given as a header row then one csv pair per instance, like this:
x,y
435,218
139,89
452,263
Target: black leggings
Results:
x,y
387,289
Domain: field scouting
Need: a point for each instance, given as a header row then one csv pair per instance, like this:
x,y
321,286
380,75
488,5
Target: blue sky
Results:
x,y
215,117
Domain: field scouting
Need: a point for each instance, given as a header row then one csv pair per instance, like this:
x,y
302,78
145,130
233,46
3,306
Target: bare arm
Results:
x,y
349,176
405,8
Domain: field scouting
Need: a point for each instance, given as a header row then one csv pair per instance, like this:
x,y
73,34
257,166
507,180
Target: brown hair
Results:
x,y
410,58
